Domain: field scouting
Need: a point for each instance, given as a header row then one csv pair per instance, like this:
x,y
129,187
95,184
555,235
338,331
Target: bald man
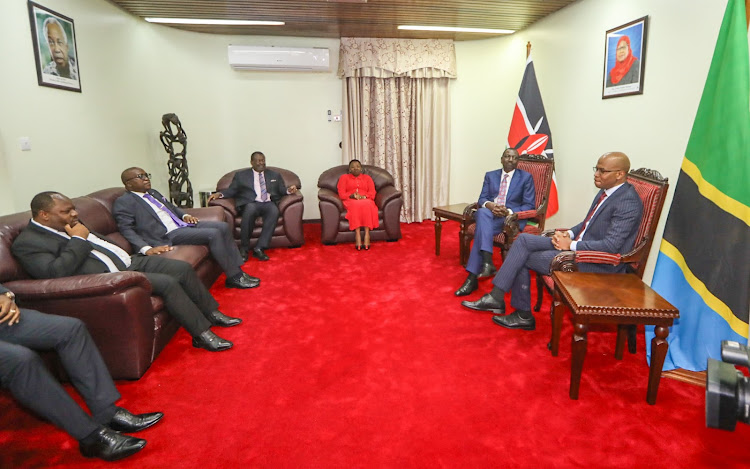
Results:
x,y
611,226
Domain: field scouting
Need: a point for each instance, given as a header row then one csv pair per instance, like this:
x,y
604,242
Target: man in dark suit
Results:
x,y
610,226
24,374
152,225
55,244
504,192
256,192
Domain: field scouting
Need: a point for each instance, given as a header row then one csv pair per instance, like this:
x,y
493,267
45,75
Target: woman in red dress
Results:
x,y
357,191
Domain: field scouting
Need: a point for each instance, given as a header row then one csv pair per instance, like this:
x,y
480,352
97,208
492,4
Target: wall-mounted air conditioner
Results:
x,y
279,58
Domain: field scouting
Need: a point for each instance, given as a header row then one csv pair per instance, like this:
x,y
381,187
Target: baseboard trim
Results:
x,y
697,378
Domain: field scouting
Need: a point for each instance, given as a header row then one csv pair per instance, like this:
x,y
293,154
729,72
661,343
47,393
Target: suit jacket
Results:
x,y
243,190
520,195
615,225
139,223
44,254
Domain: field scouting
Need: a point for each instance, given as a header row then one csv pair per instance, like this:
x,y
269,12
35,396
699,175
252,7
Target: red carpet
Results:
x,y
366,359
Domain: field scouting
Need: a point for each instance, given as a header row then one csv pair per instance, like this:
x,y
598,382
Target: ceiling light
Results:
x,y
456,30
214,22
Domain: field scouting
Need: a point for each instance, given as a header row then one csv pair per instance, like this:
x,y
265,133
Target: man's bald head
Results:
x,y
611,170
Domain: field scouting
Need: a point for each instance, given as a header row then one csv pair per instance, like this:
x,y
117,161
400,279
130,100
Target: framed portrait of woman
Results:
x,y
625,59
54,39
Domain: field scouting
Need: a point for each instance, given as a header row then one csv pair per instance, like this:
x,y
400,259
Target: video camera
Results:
x,y
728,389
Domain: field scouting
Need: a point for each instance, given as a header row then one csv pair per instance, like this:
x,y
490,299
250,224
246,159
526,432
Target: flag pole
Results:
x,y
528,44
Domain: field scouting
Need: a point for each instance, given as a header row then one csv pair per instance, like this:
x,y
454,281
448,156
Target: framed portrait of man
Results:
x,y
625,59
54,39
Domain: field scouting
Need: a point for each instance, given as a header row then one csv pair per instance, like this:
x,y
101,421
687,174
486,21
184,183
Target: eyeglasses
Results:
x,y
141,176
623,47
604,171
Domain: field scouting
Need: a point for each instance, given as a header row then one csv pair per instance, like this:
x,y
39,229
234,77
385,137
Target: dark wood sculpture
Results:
x,y
174,138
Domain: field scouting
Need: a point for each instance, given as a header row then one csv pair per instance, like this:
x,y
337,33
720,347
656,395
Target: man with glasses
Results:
x,y
152,225
56,244
504,192
611,226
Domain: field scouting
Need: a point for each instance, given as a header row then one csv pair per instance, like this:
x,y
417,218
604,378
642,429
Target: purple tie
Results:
x,y
160,205
263,191
503,190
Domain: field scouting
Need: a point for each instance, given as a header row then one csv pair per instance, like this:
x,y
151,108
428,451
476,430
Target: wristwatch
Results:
x,y
10,295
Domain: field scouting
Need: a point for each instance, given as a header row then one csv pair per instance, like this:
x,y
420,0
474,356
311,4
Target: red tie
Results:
x,y
591,214
503,190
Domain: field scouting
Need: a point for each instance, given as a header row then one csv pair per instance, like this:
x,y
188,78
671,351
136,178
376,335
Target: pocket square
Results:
x,y
272,180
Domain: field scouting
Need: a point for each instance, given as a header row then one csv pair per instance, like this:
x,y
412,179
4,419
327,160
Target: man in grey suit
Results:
x,y
257,192
23,373
55,244
152,224
610,226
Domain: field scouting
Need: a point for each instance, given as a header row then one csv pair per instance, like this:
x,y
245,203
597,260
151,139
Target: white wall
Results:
x,y
568,52
132,72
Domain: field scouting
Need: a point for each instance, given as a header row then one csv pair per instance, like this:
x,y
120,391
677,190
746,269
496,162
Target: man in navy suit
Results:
x,y
505,191
152,224
257,192
610,226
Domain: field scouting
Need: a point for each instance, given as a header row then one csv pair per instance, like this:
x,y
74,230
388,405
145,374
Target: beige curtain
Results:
x,y
397,114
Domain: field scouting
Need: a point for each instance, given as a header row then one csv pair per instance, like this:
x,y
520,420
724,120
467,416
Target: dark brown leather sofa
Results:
x,y
335,226
128,324
288,232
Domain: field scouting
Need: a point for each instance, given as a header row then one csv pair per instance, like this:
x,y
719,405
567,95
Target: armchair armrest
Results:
x,y
568,261
327,195
288,200
207,213
469,212
226,204
78,286
385,195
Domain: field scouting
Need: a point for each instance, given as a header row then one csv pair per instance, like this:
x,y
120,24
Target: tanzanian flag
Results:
x,y
703,266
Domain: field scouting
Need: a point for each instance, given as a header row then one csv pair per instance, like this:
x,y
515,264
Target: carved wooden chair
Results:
x,y
652,187
541,168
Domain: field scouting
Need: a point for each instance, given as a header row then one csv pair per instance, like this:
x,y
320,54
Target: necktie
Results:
x,y
591,214
160,205
263,191
113,257
503,190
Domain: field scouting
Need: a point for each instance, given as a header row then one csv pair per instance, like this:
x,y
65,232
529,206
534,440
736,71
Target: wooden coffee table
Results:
x,y
621,299
453,212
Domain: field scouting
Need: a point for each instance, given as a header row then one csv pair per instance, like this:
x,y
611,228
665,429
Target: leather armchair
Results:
x,y
335,226
288,232
129,325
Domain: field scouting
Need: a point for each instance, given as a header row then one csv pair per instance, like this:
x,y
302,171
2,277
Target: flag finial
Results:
x,y
528,48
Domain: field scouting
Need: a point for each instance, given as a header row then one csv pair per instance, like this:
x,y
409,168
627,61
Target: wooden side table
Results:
x,y
621,299
453,212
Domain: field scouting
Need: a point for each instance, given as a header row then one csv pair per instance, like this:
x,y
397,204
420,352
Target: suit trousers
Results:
x,y
218,237
269,212
488,225
185,297
527,252
24,373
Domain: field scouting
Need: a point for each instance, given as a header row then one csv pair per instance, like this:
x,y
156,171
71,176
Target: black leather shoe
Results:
x,y
242,281
486,303
111,446
514,321
467,288
260,255
488,270
124,421
245,253
218,318
211,342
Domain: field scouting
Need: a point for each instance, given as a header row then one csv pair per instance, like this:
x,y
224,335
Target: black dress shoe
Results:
x,y
218,318
260,255
467,288
245,253
488,270
486,303
111,446
242,281
514,321
124,421
211,342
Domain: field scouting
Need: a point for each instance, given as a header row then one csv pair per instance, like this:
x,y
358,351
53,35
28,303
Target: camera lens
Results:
x,y
727,396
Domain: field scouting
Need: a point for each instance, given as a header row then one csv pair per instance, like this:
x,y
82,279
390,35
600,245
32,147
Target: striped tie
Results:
x,y
263,191
503,190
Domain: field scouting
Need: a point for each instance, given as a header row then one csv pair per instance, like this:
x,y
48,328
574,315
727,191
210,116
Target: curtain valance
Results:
x,y
387,57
